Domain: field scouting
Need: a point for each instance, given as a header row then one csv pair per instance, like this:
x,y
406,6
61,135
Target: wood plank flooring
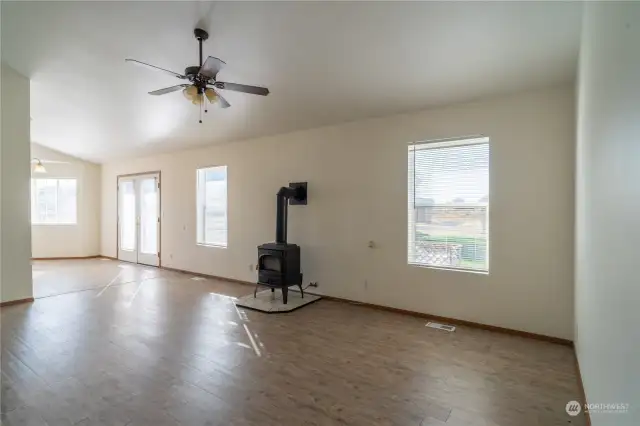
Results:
x,y
134,346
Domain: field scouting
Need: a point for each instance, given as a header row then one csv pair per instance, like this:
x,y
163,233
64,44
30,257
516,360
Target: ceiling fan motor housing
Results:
x,y
191,71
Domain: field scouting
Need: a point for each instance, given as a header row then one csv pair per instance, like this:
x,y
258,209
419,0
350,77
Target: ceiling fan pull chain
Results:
x,y
200,112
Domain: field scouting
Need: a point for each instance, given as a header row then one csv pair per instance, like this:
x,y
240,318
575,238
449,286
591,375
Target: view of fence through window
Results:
x,y
448,184
212,206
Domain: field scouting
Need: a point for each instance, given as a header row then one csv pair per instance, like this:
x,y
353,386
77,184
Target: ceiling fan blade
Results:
x,y
37,160
175,74
211,67
169,89
223,102
254,90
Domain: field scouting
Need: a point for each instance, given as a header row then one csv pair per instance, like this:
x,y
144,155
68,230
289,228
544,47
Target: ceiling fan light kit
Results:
x,y
202,80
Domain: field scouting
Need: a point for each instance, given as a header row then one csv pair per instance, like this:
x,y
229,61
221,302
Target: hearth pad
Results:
x,y
271,303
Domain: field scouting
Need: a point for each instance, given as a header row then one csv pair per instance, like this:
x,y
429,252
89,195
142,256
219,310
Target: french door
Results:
x,y
139,219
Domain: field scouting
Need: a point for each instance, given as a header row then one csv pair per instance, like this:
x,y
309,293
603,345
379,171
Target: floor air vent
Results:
x,y
439,326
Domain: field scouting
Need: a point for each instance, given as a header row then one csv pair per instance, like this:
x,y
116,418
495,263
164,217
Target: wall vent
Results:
x,y
439,326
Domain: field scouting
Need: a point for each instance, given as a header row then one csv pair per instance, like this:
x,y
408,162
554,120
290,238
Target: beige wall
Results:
x,y
15,229
357,174
607,336
82,239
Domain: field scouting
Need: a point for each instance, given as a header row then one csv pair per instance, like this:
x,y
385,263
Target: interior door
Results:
x,y
139,219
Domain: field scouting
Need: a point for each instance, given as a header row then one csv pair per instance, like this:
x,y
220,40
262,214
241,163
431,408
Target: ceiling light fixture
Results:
x,y
39,168
196,96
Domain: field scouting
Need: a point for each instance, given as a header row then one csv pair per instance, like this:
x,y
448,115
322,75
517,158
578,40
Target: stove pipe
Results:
x,y
282,212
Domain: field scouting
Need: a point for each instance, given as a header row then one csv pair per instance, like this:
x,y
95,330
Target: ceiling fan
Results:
x,y
201,82
39,164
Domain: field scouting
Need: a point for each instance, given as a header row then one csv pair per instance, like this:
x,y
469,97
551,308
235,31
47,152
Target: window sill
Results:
x,y
444,268
220,246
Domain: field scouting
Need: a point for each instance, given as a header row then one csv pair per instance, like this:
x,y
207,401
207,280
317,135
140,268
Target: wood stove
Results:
x,y
279,262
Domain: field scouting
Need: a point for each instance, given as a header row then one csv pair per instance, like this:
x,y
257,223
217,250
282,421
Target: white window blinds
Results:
x,y
448,184
212,206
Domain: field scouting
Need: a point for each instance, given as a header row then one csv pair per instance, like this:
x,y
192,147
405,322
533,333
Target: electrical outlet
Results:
x,y
313,284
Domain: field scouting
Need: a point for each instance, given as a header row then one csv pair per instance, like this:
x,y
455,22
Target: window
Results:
x,y
449,204
212,206
54,201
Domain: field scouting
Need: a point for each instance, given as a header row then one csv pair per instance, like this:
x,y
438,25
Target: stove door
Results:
x,y
271,263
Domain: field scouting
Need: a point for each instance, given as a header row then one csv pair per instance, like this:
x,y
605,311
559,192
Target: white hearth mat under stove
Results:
x,y
271,302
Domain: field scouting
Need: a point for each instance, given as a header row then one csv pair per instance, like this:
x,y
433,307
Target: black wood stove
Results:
x,y
279,262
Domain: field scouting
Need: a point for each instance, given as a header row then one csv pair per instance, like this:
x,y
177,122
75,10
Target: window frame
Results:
x,y
201,208
34,200
412,210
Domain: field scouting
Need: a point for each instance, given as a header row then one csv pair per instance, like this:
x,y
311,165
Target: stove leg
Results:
x,y
285,290
255,291
301,290
272,289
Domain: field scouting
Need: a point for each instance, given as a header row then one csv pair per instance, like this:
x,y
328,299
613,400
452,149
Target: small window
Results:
x,y
448,220
212,206
54,201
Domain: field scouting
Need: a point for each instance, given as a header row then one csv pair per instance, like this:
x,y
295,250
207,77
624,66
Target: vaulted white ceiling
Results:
x,y
324,63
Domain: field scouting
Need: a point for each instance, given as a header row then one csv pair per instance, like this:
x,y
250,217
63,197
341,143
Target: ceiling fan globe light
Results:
x,y
190,92
211,95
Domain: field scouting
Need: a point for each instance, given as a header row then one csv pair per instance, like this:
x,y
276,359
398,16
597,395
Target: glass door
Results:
x,y
149,220
139,219
127,220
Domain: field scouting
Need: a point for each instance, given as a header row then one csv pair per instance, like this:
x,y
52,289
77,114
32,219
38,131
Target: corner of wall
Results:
x,y
15,173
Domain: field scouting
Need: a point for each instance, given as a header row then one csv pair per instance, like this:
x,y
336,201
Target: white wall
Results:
x,y
82,239
608,209
14,155
357,174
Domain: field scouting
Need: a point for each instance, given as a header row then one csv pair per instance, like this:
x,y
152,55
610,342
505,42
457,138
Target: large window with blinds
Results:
x,y
448,184
212,206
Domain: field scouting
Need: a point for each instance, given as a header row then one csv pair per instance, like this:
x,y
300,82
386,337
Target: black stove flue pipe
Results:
x,y
282,210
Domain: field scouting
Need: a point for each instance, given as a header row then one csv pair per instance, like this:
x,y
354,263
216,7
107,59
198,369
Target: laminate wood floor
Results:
x,y
136,346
